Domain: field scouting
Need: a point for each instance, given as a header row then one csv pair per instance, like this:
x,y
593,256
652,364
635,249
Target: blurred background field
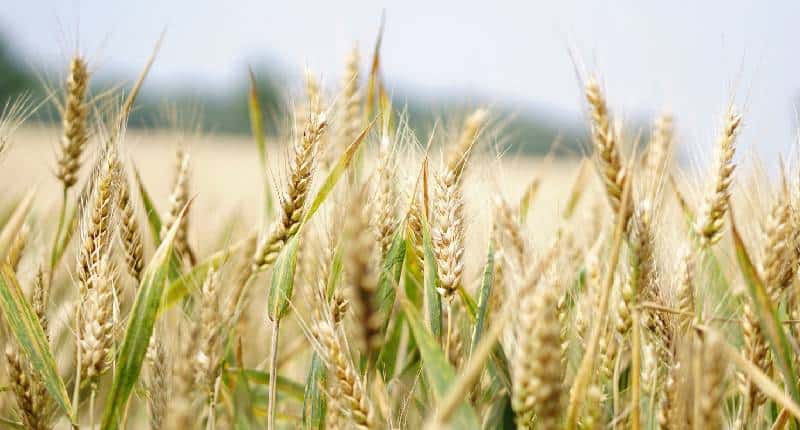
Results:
x,y
226,181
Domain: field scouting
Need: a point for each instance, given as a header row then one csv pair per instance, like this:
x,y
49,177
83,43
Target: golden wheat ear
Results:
x,y
712,214
606,144
349,386
157,381
130,233
537,365
302,165
177,200
74,121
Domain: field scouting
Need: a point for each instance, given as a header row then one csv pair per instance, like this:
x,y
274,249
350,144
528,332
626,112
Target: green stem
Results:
x,y
449,311
273,377
76,391
212,403
59,229
91,405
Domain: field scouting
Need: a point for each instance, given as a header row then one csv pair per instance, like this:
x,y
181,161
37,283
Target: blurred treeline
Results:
x,y
520,130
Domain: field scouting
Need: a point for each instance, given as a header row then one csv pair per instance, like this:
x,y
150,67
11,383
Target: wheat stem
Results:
x,y
273,377
584,373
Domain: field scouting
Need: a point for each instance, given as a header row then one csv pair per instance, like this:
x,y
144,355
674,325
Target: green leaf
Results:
x,y
7,208
11,228
390,274
27,330
433,300
11,424
153,219
336,273
336,173
500,415
483,300
387,358
437,369
71,227
242,397
314,404
373,82
257,127
469,303
260,377
282,285
577,190
140,327
527,198
179,288
767,312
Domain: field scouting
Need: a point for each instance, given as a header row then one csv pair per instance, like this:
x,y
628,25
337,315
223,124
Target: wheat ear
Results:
x,y
360,263
447,233
776,267
181,413
537,368
354,401
130,233
157,383
384,217
29,392
97,227
641,282
17,248
349,119
712,383
606,145
96,320
74,115
177,201
459,154
711,217
208,358
301,169
659,152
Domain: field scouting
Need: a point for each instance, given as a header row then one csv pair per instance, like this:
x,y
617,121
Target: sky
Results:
x,y
692,58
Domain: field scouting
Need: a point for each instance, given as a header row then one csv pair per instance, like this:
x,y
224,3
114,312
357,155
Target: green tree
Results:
x,y
14,78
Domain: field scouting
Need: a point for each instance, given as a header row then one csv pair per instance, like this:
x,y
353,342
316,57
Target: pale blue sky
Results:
x,y
691,56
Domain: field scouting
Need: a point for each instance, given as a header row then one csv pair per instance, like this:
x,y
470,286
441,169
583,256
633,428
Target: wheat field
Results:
x,y
159,279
